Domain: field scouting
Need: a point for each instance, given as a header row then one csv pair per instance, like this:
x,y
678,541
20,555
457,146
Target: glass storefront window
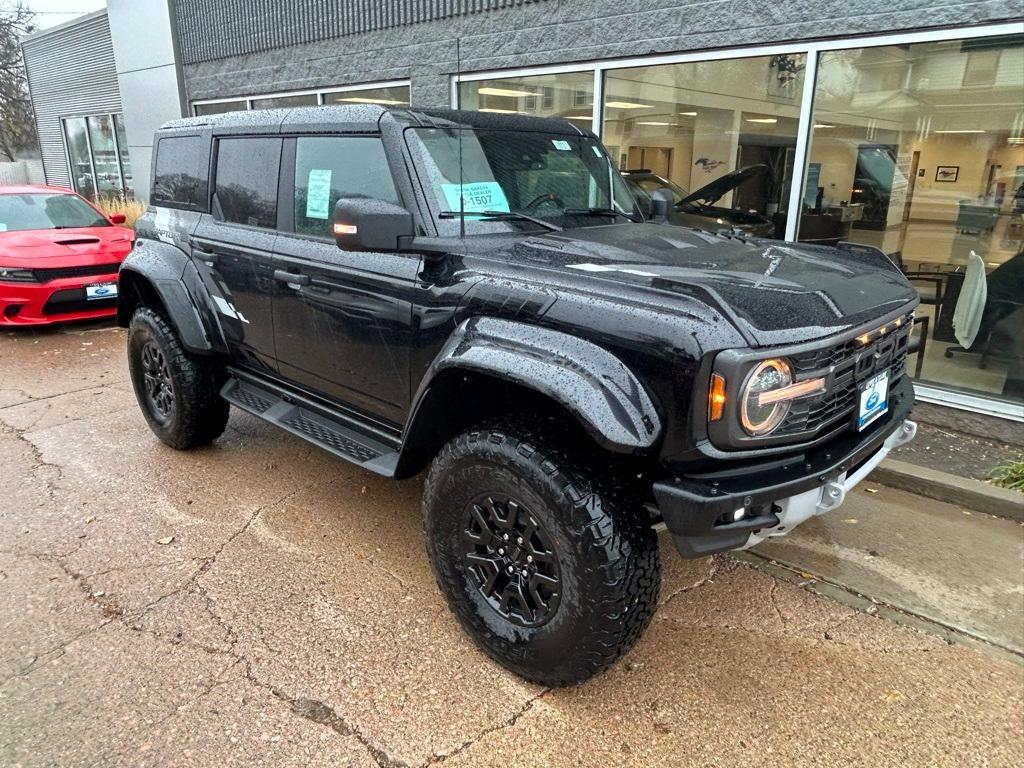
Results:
x,y
919,150
397,95
98,156
684,126
220,107
76,137
282,102
569,95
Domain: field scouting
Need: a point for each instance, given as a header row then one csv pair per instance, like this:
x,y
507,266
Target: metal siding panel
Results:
x,y
71,73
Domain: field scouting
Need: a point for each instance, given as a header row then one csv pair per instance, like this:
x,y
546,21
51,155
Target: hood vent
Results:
x,y
78,241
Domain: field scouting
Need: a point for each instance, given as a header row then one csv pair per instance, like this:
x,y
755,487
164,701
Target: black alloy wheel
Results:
x,y
510,558
157,378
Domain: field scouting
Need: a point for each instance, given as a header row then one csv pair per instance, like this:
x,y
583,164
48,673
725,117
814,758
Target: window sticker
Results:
x,y
562,145
597,149
478,195
318,194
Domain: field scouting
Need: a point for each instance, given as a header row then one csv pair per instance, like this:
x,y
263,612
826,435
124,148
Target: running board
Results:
x,y
304,419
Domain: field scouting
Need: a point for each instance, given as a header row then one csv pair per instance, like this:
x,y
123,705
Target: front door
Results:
x,y
343,326
233,248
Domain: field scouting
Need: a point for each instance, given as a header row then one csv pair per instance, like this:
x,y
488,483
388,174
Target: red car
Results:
x,y
59,256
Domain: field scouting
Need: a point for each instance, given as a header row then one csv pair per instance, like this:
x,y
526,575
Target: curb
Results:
x,y
942,486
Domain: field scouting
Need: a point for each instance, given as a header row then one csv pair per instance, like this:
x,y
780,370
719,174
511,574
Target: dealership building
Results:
x,y
895,124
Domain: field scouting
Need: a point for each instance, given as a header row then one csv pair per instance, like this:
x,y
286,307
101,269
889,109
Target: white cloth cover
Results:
x,y
970,306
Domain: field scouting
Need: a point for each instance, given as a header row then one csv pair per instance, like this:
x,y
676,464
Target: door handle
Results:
x,y
291,277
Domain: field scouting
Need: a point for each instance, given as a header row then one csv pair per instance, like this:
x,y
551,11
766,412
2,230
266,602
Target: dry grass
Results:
x,y
131,208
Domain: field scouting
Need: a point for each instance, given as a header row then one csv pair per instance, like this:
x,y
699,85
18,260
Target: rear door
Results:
x,y
236,244
343,324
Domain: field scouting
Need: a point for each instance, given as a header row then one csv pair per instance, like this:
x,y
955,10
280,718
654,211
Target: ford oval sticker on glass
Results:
x,y
318,194
478,196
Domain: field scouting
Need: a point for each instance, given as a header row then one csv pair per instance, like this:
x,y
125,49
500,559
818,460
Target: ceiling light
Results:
x,y
588,118
489,91
652,122
969,130
1015,139
499,111
370,100
765,120
823,125
688,114
626,105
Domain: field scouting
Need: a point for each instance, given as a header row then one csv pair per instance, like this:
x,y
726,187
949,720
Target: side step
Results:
x,y
332,432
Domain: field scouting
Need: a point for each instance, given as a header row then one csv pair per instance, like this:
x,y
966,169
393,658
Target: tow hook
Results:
x,y
832,496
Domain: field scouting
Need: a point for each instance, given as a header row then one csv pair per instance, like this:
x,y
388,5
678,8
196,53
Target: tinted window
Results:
x,y
331,167
182,176
246,184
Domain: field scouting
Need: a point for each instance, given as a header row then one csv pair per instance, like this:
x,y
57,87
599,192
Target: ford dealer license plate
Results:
x,y
100,291
874,400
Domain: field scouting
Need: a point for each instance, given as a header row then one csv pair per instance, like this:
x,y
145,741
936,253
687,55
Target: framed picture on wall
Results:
x,y
947,172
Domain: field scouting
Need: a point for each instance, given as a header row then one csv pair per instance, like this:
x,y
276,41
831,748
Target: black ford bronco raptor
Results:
x,y
480,296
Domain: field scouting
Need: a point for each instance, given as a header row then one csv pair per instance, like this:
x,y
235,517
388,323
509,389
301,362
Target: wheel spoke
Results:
x,y
489,569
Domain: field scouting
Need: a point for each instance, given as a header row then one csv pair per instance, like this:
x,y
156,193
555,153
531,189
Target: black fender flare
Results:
x,y
163,271
590,382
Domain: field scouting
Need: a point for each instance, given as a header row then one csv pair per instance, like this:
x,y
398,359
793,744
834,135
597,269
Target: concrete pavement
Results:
x,y
258,602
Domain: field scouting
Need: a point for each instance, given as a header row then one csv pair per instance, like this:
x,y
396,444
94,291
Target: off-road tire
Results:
x,y
606,549
197,414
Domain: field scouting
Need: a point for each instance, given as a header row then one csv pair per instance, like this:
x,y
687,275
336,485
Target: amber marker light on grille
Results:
x,y
716,398
345,229
791,392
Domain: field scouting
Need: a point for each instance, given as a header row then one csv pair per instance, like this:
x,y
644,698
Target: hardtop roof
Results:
x,y
362,118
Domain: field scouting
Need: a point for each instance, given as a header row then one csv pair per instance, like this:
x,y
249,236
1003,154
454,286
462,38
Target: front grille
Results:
x,y
73,300
846,366
61,273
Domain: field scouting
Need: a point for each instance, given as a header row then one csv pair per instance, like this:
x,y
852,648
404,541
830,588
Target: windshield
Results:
x,y
47,211
564,181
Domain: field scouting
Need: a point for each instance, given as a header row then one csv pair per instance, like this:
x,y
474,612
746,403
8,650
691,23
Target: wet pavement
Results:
x,y
258,602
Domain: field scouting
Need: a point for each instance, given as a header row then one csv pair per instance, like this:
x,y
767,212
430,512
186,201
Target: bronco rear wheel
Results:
x,y
179,393
548,563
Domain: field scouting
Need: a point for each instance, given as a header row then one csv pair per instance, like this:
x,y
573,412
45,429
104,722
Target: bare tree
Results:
x,y
17,124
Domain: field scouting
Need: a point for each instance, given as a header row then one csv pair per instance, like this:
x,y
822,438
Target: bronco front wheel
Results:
x,y
548,564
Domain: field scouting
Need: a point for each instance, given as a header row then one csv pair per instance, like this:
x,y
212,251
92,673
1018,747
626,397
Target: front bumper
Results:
x,y
779,495
55,301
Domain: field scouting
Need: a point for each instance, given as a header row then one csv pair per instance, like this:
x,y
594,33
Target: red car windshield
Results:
x,y
47,210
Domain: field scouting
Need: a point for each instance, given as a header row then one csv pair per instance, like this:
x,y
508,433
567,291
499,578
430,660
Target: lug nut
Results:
x,y
525,573
505,536
529,558
501,551
510,569
519,540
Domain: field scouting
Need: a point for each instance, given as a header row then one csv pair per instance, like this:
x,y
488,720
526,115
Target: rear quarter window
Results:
x,y
181,176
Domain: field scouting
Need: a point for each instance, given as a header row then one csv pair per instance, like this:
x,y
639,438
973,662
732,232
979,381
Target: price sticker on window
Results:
x,y
562,145
318,194
477,196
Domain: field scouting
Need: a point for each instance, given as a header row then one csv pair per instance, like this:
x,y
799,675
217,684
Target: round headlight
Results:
x,y
758,419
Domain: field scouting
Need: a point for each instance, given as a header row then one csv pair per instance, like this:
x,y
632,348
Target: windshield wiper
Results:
x,y
501,216
599,212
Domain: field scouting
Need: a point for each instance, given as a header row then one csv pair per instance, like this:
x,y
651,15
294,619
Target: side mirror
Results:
x,y
361,224
117,218
661,204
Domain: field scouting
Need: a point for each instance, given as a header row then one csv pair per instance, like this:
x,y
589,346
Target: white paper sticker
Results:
x,y
478,196
562,145
318,194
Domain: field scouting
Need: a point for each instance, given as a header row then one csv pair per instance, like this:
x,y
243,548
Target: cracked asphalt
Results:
x,y
260,603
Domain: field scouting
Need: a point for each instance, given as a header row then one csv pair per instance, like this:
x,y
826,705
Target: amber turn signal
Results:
x,y
345,229
716,397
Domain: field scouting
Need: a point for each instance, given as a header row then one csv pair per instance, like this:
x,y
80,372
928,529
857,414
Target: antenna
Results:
x,y
458,97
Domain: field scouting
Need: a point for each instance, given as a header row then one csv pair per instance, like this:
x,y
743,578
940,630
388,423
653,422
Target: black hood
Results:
x,y
717,189
774,292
